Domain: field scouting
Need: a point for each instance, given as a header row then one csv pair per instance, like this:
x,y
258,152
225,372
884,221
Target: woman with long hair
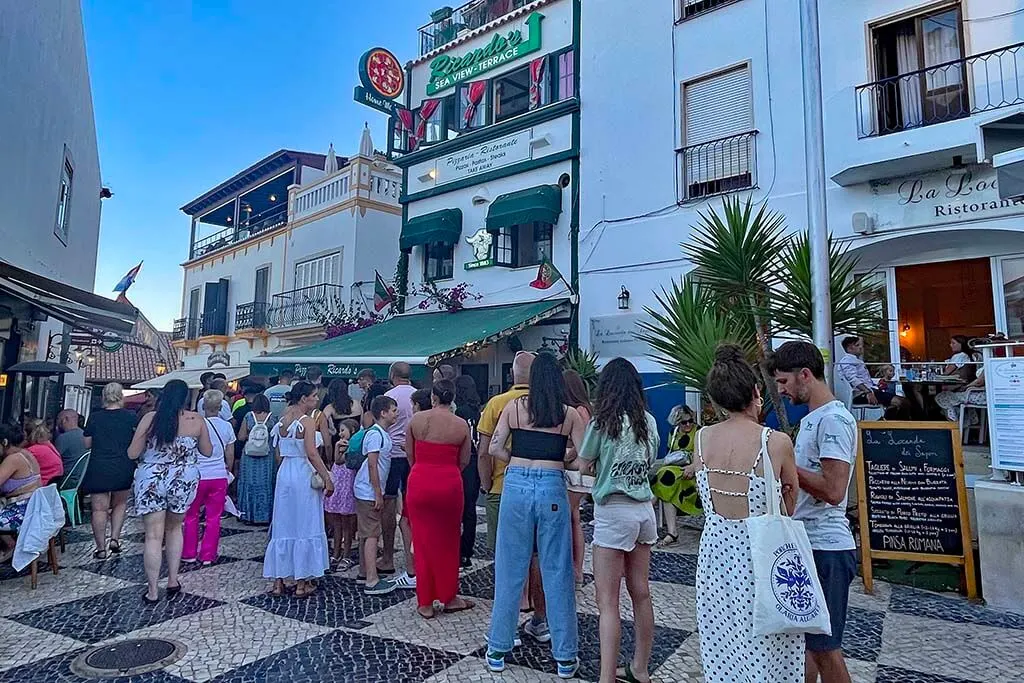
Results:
x,y
467,406
622,443
578,484
19,477
376,389
532,435
256,469
108,477
438,446
298,541
730,460
167,443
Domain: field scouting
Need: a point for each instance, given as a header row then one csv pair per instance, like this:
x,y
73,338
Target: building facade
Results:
x,y
922,115
50,194
280,248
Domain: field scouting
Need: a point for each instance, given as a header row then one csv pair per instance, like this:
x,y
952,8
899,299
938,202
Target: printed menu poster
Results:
x,y
1004,383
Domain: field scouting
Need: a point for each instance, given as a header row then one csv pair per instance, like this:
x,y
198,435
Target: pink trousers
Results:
x,y
211,494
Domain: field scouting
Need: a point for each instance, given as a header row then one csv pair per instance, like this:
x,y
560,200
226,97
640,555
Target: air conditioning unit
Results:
x,y
863,223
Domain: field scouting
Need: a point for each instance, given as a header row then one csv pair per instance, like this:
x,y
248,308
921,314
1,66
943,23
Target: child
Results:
x,y
369,490
341,506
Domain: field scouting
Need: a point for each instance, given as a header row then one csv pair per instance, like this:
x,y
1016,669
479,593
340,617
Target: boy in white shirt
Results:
x,y
369,490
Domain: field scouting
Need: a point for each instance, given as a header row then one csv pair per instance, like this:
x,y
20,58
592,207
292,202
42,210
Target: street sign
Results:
x,y
371,99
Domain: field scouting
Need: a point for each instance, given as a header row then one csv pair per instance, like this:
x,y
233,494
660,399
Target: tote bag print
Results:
x,y
787,594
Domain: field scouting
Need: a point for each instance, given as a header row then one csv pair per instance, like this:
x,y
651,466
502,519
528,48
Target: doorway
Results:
x,y
480,372
939,300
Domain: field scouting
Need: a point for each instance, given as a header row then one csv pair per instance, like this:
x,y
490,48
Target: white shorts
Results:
x,y
621,522
579,483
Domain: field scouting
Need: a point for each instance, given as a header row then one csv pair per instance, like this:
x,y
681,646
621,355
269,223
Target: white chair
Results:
x,y
844,392
982,409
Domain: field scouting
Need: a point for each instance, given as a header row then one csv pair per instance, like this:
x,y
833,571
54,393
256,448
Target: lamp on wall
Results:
x,y
906,330
624,299
160,367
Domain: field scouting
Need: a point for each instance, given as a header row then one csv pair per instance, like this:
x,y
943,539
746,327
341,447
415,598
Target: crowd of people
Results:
x,y
341,467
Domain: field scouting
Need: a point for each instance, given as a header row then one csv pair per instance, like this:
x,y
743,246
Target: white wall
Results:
x,y
45,104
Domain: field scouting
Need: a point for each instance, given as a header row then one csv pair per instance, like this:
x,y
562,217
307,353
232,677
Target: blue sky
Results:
x,y
187,94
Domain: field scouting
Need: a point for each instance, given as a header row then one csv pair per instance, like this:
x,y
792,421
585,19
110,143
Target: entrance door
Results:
x,y
939,300
481,373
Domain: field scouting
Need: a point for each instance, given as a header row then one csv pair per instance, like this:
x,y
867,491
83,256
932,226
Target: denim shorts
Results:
x,y
398,478
836,570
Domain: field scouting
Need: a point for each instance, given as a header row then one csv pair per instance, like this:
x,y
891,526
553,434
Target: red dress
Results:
x,y
434,504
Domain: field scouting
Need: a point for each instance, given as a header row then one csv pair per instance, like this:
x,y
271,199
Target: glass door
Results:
x,y
1008,295
882,347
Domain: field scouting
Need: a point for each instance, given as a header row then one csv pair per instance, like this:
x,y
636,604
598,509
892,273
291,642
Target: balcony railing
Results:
x,y
719,166
447,24
305,307
185,329
251,316
247,227
693,8
943,92
213,324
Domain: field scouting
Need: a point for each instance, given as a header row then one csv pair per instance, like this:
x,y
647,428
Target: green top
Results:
x,y
623,465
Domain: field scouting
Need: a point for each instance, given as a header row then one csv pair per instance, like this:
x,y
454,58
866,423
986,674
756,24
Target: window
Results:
x,y
718,154
512,94
438,261
324,270
433,123
565,69
523,245
917,85
67,176
692,8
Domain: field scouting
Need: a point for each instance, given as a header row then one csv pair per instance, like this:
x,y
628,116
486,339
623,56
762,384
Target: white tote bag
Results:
x,y
787,593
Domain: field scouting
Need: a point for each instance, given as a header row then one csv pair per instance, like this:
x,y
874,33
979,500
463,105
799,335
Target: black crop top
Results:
x,y
530,444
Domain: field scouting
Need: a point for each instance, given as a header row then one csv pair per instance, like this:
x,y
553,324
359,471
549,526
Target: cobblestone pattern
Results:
x,y
233,631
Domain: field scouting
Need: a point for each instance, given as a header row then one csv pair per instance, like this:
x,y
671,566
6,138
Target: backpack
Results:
x,y
258,445
354,456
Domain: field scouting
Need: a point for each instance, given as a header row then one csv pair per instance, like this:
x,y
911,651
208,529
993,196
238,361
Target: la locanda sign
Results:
x,y
447,70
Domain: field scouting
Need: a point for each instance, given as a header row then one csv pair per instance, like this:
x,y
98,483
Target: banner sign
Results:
x,y
447,70
482,158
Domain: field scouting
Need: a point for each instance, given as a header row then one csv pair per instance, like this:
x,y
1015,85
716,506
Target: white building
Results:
x,y
490,158
920,99
49,205
276,248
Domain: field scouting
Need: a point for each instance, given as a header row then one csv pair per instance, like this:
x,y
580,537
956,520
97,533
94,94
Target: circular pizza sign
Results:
x,y
381,72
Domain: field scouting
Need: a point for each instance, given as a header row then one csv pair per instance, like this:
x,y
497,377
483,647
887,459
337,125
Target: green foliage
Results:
x,y
585,364
687,326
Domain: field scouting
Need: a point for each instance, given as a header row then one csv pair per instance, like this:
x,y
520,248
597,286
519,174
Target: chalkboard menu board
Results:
x,y
911,494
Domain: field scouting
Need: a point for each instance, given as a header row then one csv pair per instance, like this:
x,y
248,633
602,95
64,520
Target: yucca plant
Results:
x,y
686,327
854,309
585,364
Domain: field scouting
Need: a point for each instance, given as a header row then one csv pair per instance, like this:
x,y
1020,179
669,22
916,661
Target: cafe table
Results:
x,y
921,391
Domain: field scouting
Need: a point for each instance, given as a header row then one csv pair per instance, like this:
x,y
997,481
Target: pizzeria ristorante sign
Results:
x,y
447,70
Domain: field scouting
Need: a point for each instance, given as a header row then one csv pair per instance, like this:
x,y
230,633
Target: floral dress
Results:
x,y
167,477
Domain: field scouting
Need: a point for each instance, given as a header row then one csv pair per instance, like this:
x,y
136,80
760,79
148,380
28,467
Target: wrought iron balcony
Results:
x,y
305,307
213,324
248,226
185,329
447,23
251,316
719,166
940,93
693,8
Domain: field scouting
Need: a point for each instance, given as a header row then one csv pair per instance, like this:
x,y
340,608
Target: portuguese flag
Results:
x,y
383,296
547,275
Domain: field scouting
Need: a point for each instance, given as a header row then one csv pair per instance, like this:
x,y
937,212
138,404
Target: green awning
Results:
x,y
542,203
443,226
418,339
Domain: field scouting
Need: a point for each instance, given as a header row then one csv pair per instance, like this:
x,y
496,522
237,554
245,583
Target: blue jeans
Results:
x,y
534,513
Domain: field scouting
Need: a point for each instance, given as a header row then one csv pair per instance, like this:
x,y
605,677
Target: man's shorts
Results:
x,y
836,569
493,504
620,523
398,478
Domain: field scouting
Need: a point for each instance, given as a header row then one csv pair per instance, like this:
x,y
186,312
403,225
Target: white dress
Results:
x,y
298,542
725,593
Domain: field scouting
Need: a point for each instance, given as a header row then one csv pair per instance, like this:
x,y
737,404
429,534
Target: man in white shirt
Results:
x,y
852,369
276,395
369,491
826,448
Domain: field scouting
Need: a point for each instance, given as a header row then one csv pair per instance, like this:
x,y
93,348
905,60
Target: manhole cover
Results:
x,y
128,658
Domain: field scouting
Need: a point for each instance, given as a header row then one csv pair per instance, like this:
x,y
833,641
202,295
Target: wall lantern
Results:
x,y
160,367
624,299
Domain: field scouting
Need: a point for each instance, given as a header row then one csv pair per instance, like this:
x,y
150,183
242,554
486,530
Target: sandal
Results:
x,y
115,546
277,590
665,541
625,675
426,615
100,554
466,605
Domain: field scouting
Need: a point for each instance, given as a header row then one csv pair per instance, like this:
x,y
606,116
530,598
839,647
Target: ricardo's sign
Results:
x,y
447,70
946,197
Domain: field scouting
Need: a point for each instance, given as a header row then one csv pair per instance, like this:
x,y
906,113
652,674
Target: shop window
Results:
x,y
523,245
438,261
512,94
431,118
67,176
565,75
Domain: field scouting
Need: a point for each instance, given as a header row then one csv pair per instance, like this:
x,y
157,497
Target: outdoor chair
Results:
x,y
69,489
44,518
982,425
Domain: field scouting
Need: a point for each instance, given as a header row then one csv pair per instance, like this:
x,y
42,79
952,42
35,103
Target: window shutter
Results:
x,y
718,107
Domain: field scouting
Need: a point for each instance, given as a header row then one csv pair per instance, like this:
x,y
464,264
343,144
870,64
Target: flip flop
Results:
x,y
666,543
432,614
627,675
468,604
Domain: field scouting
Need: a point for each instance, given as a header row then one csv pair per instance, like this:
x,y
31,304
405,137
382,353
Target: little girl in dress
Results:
x,y
341,506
